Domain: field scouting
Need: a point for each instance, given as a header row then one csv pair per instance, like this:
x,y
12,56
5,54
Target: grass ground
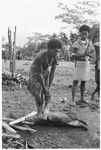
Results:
x,y
20,102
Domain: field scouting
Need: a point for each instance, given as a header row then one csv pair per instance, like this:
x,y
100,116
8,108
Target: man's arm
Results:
x,y
51,75
91,48
97,53
77,56
41,79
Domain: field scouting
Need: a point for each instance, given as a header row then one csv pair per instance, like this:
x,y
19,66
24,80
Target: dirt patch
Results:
x,y
19,102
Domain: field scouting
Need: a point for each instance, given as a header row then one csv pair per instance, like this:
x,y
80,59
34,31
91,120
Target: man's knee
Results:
x,y
83,82
46,78
75,82
47,98
39,99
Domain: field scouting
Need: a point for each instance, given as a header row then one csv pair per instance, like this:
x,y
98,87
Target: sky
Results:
x,y
31,16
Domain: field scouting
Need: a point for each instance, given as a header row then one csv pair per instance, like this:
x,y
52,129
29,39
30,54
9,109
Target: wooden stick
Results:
x,y
26,145
23,128
17,136
22,118
13,53
7,119
27,122
16,142
15,36
8,128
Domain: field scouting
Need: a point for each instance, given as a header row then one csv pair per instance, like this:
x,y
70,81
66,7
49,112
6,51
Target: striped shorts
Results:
x,y
34,85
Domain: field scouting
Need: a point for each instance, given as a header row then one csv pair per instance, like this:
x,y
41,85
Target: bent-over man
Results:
x,y
40,79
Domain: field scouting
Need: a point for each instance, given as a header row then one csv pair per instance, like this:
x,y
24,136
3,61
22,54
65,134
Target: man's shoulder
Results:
x,y
40,54
38,59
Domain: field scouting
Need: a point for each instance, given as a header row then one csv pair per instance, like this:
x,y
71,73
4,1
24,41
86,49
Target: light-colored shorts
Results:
x,y
82,71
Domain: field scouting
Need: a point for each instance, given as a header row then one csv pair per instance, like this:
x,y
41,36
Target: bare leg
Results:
x,y
74,89
92,96
96,90
37,91
82,89
47,98
39,104
46,108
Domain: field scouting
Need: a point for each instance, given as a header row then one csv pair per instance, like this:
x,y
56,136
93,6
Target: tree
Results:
x,y
34,44
28,50
3,39
54,35
95,33
83,12
38,37
63,38
41,46
39,41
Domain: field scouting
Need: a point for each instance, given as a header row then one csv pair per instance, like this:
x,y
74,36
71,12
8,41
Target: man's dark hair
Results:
x,y
84,28
54,43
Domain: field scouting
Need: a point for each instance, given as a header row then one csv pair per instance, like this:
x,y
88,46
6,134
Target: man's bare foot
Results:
x,y
73,103
45,113
40,116
83,101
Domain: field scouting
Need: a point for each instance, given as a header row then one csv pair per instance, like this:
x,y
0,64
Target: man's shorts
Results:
x,y
34,85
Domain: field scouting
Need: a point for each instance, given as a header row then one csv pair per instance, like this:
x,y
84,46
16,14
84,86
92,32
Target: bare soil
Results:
x,y
19,102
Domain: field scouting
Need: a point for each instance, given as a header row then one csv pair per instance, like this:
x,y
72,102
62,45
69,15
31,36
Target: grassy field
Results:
x,y
20,102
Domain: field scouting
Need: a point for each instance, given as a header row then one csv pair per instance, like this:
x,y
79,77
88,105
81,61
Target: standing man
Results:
x,y
40,79
97,70
82,49
96,42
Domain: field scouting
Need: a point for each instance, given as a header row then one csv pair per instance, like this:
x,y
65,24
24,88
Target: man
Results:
x,y
82,49
96,42
40,79
97,70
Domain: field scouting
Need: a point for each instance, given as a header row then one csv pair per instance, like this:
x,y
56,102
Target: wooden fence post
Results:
x,y
12,51
9,42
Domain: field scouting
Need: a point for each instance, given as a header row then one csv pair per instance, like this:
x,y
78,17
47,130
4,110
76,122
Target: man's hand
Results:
x,y
78,57
86,53
47,93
